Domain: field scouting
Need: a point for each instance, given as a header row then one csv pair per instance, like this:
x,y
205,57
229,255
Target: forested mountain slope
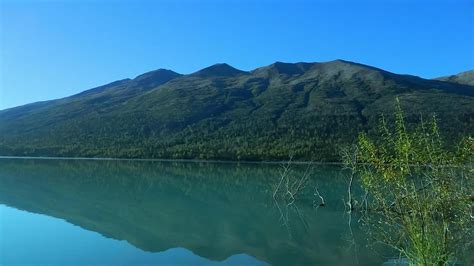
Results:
x,y
305,109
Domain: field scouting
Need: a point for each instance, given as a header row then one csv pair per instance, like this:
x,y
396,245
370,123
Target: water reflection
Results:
x,y
214,210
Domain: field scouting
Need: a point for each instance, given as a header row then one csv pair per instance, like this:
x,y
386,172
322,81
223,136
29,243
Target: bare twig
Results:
x,y
316,193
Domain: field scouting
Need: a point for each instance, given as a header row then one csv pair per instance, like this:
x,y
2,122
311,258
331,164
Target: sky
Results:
x,y
53,49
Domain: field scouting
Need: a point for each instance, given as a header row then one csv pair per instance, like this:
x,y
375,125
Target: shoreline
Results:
x,y
161,160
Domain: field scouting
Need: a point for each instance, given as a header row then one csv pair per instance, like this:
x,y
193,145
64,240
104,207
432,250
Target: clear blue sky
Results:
x,y
52,49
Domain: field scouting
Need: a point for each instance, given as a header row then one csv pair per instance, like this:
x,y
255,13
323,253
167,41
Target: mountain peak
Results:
x,y
278,68
287,68
349,64
154,78
218,70
347,69
161,72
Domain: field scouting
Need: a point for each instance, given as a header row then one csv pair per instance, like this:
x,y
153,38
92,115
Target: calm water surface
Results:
x,y
88,212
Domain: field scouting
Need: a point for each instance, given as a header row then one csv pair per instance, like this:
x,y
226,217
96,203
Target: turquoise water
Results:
x,y
89,212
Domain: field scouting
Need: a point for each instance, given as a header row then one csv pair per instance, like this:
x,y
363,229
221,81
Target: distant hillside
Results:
x,y
305,109
466,78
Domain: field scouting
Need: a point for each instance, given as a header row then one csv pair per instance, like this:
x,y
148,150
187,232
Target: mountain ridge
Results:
x,y
221,112
443,78
465,77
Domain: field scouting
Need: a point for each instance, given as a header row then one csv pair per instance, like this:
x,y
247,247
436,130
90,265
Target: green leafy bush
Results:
x,y
419,190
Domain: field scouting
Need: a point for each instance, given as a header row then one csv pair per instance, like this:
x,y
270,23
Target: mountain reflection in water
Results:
x,y
215,210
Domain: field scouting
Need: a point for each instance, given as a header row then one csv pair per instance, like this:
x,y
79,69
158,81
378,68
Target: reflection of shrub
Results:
x,y
420,192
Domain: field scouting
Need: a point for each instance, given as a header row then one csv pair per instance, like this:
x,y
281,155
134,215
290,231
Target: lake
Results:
x,y
120,212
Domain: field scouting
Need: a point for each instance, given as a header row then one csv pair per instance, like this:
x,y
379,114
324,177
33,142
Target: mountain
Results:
x,y
305,109
466,78
218,70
